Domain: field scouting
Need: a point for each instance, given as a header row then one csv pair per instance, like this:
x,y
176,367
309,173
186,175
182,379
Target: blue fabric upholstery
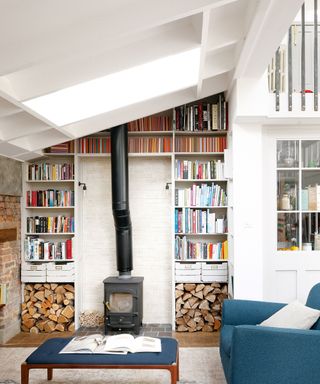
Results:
x,y
314,302
252,354
48,353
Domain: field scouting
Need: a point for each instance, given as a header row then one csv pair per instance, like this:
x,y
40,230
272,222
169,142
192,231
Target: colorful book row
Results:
x,y
50,172
204,195
189,220
94,145
191,170
67,147
39,249
50,198
200,144
196,250
135,145
151,123
55,224
201,116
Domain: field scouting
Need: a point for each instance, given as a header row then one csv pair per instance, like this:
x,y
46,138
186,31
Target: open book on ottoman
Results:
x,y
117,344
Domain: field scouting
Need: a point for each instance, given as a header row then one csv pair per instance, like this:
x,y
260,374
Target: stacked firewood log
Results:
x,y
198,306
48,307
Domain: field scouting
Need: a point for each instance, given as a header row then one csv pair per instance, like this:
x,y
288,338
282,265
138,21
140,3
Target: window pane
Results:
x,y
310,231
287,192
310,151
287,153
288,231
310,193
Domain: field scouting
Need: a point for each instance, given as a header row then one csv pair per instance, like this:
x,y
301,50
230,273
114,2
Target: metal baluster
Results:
x,y
315,49
277,78
303,60
290,69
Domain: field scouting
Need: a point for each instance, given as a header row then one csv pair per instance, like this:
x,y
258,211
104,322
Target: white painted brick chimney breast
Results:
x,y
150,207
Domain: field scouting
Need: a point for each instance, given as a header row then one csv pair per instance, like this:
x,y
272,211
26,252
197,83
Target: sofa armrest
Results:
x,y
274,355
237,312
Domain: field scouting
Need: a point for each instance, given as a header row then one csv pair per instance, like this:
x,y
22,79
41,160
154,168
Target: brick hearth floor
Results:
x,y
186,339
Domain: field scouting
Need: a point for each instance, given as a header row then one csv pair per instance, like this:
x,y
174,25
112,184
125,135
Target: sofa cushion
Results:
x,y
226,338
293,315
313,301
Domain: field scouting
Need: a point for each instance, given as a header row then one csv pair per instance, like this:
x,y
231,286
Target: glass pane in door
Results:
x,y
310,231
310,192
287,153
288,231
287,190
310,153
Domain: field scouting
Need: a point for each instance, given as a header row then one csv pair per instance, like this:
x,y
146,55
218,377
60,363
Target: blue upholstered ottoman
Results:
x,y
47,357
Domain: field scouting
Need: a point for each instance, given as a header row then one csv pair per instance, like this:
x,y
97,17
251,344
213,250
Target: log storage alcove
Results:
x,y
198,306
47,307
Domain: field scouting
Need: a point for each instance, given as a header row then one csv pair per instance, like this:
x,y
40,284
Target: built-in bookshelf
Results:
x,y
194,137
200,193
48,224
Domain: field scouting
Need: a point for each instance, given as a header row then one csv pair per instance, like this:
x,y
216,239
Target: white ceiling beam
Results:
x,y
19,125
227,25
54,33
10,150
29,111
7,109
27,156
51,76
220,61
269,26
40,140
203,48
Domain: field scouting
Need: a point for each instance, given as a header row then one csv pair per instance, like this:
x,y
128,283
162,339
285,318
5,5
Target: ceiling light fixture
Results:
x,y
107,93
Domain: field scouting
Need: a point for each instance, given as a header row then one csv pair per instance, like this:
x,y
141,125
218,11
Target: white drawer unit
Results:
x,y
214,272
60,273
33,273
47,272
187,272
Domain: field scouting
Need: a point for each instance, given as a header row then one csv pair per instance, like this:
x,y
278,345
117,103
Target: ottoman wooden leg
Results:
x,y
174,375
24,373
49,373
178,368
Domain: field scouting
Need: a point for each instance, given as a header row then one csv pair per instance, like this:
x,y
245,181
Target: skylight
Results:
x,y
119,89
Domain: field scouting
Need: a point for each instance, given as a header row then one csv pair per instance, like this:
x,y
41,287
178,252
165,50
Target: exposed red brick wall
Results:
x,y
10,217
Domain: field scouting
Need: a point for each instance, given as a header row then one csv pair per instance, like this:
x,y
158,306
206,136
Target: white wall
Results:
x,y
150,206
247,211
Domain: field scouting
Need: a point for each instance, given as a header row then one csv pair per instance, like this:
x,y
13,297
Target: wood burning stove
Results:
x,y
123,303
123,294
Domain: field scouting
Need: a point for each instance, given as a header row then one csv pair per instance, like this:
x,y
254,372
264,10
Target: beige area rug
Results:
x,y
197,366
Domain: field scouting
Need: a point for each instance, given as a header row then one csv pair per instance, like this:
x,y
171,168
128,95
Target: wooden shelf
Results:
x,y
71,207
49,261
50,181
202,207
201,234
130,154
199,180
201,133
50,234
202,260
199,153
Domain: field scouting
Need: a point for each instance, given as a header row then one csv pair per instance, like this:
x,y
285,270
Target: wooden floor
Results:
x,y
196,339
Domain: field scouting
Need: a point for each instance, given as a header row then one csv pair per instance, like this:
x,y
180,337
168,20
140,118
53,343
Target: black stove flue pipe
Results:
x,y
120,199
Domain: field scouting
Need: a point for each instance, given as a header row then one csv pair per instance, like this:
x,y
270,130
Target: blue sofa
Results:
x,y
252,354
